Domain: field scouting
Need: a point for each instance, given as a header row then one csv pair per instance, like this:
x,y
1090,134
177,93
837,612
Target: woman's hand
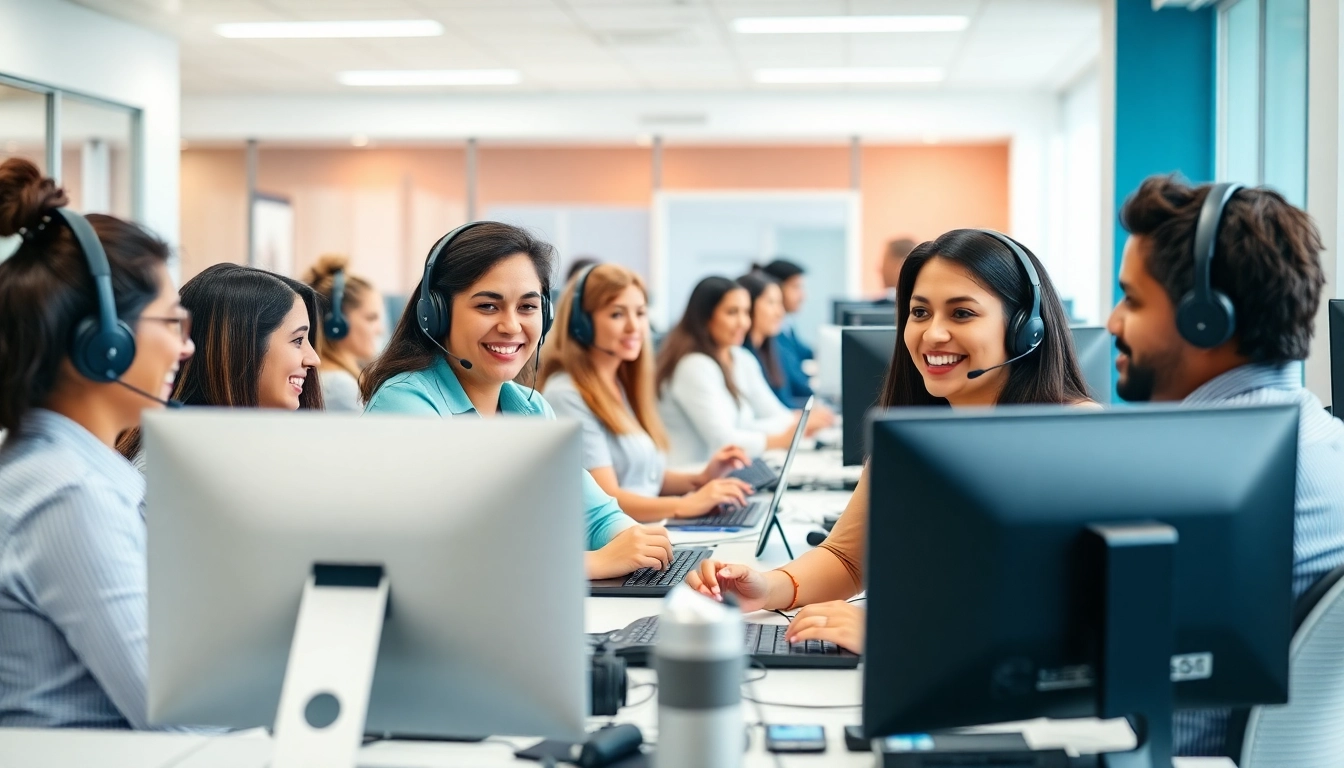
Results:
x,y
725,490
642,546
821,418
727,459
840,622
714,578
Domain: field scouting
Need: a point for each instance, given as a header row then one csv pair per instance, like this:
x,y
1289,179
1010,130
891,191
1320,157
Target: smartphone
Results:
x,y
795,738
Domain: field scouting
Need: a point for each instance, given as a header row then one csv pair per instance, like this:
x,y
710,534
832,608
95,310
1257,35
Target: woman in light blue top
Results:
x,y
478,321
599,370
73,618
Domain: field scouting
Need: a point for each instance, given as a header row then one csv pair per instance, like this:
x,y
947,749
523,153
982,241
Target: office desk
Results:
x,y
840,690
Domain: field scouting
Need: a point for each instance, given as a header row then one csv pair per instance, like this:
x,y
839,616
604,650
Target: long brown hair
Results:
x,y
757,283
1050,375
472,253
234,310
321,277
563,354
692,333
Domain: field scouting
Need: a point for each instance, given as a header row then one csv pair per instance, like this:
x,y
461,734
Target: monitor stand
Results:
x,y
325,696
1137,637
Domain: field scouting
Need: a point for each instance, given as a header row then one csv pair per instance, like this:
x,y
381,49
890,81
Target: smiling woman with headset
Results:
x,y
481,315
980,324
352,327
599,370
91,334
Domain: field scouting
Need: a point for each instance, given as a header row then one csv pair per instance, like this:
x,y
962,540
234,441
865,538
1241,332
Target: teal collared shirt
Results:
x,y
437,391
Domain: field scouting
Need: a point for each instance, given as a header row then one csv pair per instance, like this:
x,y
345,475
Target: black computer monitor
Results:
x,y
1337,357
995,599
1093,345
882,315
840,306
865,356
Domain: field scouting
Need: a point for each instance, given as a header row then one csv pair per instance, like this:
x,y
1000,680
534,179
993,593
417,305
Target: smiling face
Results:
x,y
1152,360
289,359
956,326
159,345
731,320
767,315
496,323
621,326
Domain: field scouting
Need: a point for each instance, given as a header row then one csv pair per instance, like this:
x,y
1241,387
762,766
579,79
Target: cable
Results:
x,y
750,684
644,700
765,671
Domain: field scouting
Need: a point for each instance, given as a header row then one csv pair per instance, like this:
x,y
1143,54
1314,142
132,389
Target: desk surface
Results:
x,y
780,688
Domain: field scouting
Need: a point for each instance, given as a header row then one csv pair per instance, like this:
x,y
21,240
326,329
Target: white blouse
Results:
x,y
702,416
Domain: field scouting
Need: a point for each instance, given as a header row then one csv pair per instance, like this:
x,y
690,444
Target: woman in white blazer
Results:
x,y
712,391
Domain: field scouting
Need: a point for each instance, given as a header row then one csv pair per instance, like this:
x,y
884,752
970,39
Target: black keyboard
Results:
x,y
651,582
760,476
764,643
728,517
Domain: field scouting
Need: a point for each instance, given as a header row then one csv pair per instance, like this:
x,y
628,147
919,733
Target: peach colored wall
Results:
x,y
385,207
214,209
382,207
576,175
923,191
699,168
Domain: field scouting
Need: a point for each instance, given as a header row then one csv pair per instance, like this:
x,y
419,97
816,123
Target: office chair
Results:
x,y
1308,731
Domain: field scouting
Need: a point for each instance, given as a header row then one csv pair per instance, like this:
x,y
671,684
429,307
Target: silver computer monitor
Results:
x,y
1093,345
477,524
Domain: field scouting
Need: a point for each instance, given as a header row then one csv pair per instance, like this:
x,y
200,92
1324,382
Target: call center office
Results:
x,y
982,392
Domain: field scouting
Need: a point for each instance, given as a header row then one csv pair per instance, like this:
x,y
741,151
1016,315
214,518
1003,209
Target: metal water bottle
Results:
x,y
700,661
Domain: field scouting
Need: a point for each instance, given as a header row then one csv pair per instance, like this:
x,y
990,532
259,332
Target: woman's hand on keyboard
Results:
x,y
727,459
641,546
837,621
725,490
713,578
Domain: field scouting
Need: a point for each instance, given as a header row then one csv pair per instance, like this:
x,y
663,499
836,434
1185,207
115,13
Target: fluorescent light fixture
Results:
x,y
849,25
411,77
330,29
840,75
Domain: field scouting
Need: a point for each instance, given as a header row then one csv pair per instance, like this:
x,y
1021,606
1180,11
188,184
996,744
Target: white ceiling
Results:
x,y
652,46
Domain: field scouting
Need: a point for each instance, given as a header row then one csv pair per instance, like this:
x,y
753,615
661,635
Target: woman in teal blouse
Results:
x,y
477,322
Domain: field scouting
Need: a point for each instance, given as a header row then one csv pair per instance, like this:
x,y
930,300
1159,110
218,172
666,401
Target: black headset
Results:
x,y
103,346
334,324
1026,331
433,312
580,322
1205,316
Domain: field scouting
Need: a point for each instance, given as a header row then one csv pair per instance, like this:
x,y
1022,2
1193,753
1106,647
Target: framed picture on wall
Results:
x,y
272,246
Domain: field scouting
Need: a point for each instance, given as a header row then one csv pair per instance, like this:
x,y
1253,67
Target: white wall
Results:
x,y
59,44
1076,223
1324,202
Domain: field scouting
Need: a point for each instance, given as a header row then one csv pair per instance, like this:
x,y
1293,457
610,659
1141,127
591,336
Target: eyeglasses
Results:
x,y
182,321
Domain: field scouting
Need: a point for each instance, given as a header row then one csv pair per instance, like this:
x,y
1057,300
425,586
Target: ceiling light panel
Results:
x,y
314,30
423,77
847,25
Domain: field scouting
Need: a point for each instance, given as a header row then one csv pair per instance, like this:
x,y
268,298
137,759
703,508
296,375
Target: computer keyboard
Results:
x,y
728,517
765,644
759,475
652,582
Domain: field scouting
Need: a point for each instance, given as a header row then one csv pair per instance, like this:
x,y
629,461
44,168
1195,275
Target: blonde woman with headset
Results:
x,y
352,329
598,370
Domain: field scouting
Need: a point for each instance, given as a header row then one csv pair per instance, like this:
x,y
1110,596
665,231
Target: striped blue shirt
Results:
x,y
1318,537
72,580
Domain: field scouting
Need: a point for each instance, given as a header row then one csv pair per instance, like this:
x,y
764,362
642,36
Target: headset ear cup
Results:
x,y
433,318
1206,324
335,327
547,317
102,356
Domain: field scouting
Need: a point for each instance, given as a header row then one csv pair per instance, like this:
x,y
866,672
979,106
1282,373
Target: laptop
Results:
x,y
738,518
651,582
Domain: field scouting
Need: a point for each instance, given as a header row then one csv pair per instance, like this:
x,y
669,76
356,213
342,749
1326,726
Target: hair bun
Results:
x,y
326,266
25,194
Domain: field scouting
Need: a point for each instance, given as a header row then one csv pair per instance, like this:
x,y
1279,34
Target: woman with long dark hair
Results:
x,y
91,334
485,312
960,302
254,333
712,392
777,357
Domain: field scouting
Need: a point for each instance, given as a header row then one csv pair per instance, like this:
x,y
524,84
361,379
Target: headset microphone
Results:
x,y
978,372
143,393
462,361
